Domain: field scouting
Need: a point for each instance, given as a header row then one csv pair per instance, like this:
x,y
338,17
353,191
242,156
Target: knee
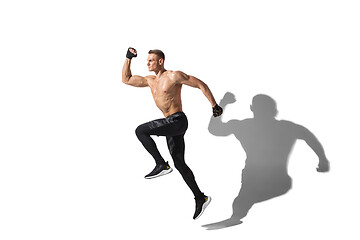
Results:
x,y
178,166
139,131
181,167
179,162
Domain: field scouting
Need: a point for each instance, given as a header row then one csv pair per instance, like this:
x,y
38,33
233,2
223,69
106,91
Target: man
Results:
x,y
166,87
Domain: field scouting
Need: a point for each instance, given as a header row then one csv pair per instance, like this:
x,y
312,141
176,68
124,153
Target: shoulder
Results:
x,y
289,124
286,123
245,123
297,129
177,75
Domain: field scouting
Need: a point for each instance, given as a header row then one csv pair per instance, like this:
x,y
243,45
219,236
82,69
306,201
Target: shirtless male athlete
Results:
x,y
166,90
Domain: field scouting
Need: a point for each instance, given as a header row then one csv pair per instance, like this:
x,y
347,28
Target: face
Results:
x,y
153,62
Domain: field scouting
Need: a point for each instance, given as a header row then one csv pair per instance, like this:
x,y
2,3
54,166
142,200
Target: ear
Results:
x,y
251,108
161,61
276,113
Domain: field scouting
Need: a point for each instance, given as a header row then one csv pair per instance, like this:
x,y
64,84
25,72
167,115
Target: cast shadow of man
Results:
x,y
268,143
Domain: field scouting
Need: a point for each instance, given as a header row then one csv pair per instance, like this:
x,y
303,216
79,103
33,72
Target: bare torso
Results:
x,y
166,92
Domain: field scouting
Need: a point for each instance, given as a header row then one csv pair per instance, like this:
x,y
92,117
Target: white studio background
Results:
x,y
71,166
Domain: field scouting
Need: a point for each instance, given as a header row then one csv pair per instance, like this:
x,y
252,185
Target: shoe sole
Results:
x,y
204,206
162,173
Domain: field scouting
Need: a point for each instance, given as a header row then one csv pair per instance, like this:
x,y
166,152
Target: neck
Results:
x,y
160,71
264,118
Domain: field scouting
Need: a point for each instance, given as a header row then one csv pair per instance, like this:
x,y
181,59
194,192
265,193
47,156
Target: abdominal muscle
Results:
x,y
168,105
167,95
168,100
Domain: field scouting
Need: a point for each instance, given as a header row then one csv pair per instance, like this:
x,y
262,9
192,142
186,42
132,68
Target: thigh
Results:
x,y
166,127
159,127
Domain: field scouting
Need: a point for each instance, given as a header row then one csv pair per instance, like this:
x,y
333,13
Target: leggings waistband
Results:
x,y
177,114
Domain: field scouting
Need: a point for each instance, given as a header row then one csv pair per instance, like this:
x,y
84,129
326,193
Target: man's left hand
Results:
x,y
217,110
324,165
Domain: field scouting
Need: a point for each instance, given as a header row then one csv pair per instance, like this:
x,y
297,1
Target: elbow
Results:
x,y
212,130
215,131
125,80
215,128
204,88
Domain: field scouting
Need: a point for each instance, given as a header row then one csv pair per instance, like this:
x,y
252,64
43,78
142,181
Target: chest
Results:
x,y
266,139
162,86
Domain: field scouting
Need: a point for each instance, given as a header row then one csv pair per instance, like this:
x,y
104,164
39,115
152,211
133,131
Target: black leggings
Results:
x,y
174,128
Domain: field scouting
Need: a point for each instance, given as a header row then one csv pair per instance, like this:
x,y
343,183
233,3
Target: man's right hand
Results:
x,y
131,52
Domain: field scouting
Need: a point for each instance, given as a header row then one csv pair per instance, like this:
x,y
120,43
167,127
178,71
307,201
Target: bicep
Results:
x,y
303,133
138,81
192,81
300,132
219,128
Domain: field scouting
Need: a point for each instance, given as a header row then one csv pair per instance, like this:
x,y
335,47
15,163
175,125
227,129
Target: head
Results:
x,y
263,107
156,60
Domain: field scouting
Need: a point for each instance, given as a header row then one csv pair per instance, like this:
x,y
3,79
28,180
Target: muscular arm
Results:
x,y
196,83
129,79
219,128
316,146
